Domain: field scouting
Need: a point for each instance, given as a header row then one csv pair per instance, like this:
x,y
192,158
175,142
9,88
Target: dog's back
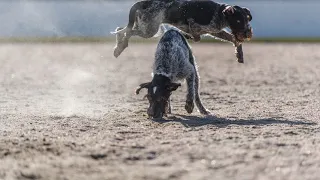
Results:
x,y
173,56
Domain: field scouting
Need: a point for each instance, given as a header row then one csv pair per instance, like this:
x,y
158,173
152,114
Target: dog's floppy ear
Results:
x,y
141,86
229,10
249,16
173,86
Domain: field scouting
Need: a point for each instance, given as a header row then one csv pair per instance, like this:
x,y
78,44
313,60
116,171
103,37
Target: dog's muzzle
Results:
x,y
244,35
154,112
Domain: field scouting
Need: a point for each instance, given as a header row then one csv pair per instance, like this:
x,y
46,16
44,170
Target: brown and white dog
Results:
x,y
194,17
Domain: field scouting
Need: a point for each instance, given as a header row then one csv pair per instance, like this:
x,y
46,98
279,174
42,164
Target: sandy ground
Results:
x,y
68,111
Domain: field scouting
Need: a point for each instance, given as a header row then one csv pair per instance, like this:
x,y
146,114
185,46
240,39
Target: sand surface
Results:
x,y
68,111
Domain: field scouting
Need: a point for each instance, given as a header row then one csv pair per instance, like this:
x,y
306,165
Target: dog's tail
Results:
x,y
132,14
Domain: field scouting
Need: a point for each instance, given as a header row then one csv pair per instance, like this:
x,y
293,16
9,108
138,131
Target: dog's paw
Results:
x,y
119,49
189,106
240,58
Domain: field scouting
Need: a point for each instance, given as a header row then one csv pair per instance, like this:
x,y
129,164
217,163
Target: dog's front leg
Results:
x,y
225,36
193,28
169,106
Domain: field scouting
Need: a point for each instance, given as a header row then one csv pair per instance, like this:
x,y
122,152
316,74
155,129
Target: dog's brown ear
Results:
x,y
173,86
249,16
141,86
229,10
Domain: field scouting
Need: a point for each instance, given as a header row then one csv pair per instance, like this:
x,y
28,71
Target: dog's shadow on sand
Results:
x,y
197,121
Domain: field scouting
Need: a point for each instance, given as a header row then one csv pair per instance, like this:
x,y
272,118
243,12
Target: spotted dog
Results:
x,y
174,61
195,18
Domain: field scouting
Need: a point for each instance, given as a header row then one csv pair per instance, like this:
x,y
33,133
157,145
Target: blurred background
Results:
x,y
272,19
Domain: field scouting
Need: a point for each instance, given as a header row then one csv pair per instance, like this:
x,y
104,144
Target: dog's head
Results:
x,y
238,19
158,96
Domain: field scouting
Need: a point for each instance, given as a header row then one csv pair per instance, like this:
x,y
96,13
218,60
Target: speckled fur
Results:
x,y
174,59
146,17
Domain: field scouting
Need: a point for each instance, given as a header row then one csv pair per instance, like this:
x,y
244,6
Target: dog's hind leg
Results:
x,y
123,41
124,34
150,31
120,35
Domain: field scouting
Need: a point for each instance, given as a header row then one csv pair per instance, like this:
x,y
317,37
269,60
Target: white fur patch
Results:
x,y
164,74
154,89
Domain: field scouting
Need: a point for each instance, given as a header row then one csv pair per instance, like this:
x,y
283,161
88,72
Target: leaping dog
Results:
x,y
195,18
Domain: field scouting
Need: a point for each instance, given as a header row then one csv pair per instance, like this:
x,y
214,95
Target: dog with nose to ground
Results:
x,y
194,17
174,61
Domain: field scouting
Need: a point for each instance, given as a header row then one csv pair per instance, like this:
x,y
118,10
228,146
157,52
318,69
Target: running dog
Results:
x,y
195,18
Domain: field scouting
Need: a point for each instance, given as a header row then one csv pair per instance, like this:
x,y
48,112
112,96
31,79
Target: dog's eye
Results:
x,y
238,21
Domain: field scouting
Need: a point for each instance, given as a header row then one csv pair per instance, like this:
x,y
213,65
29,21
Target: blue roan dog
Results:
x,y
174,61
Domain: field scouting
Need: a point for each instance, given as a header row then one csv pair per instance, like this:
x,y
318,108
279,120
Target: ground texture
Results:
x,y
68,111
